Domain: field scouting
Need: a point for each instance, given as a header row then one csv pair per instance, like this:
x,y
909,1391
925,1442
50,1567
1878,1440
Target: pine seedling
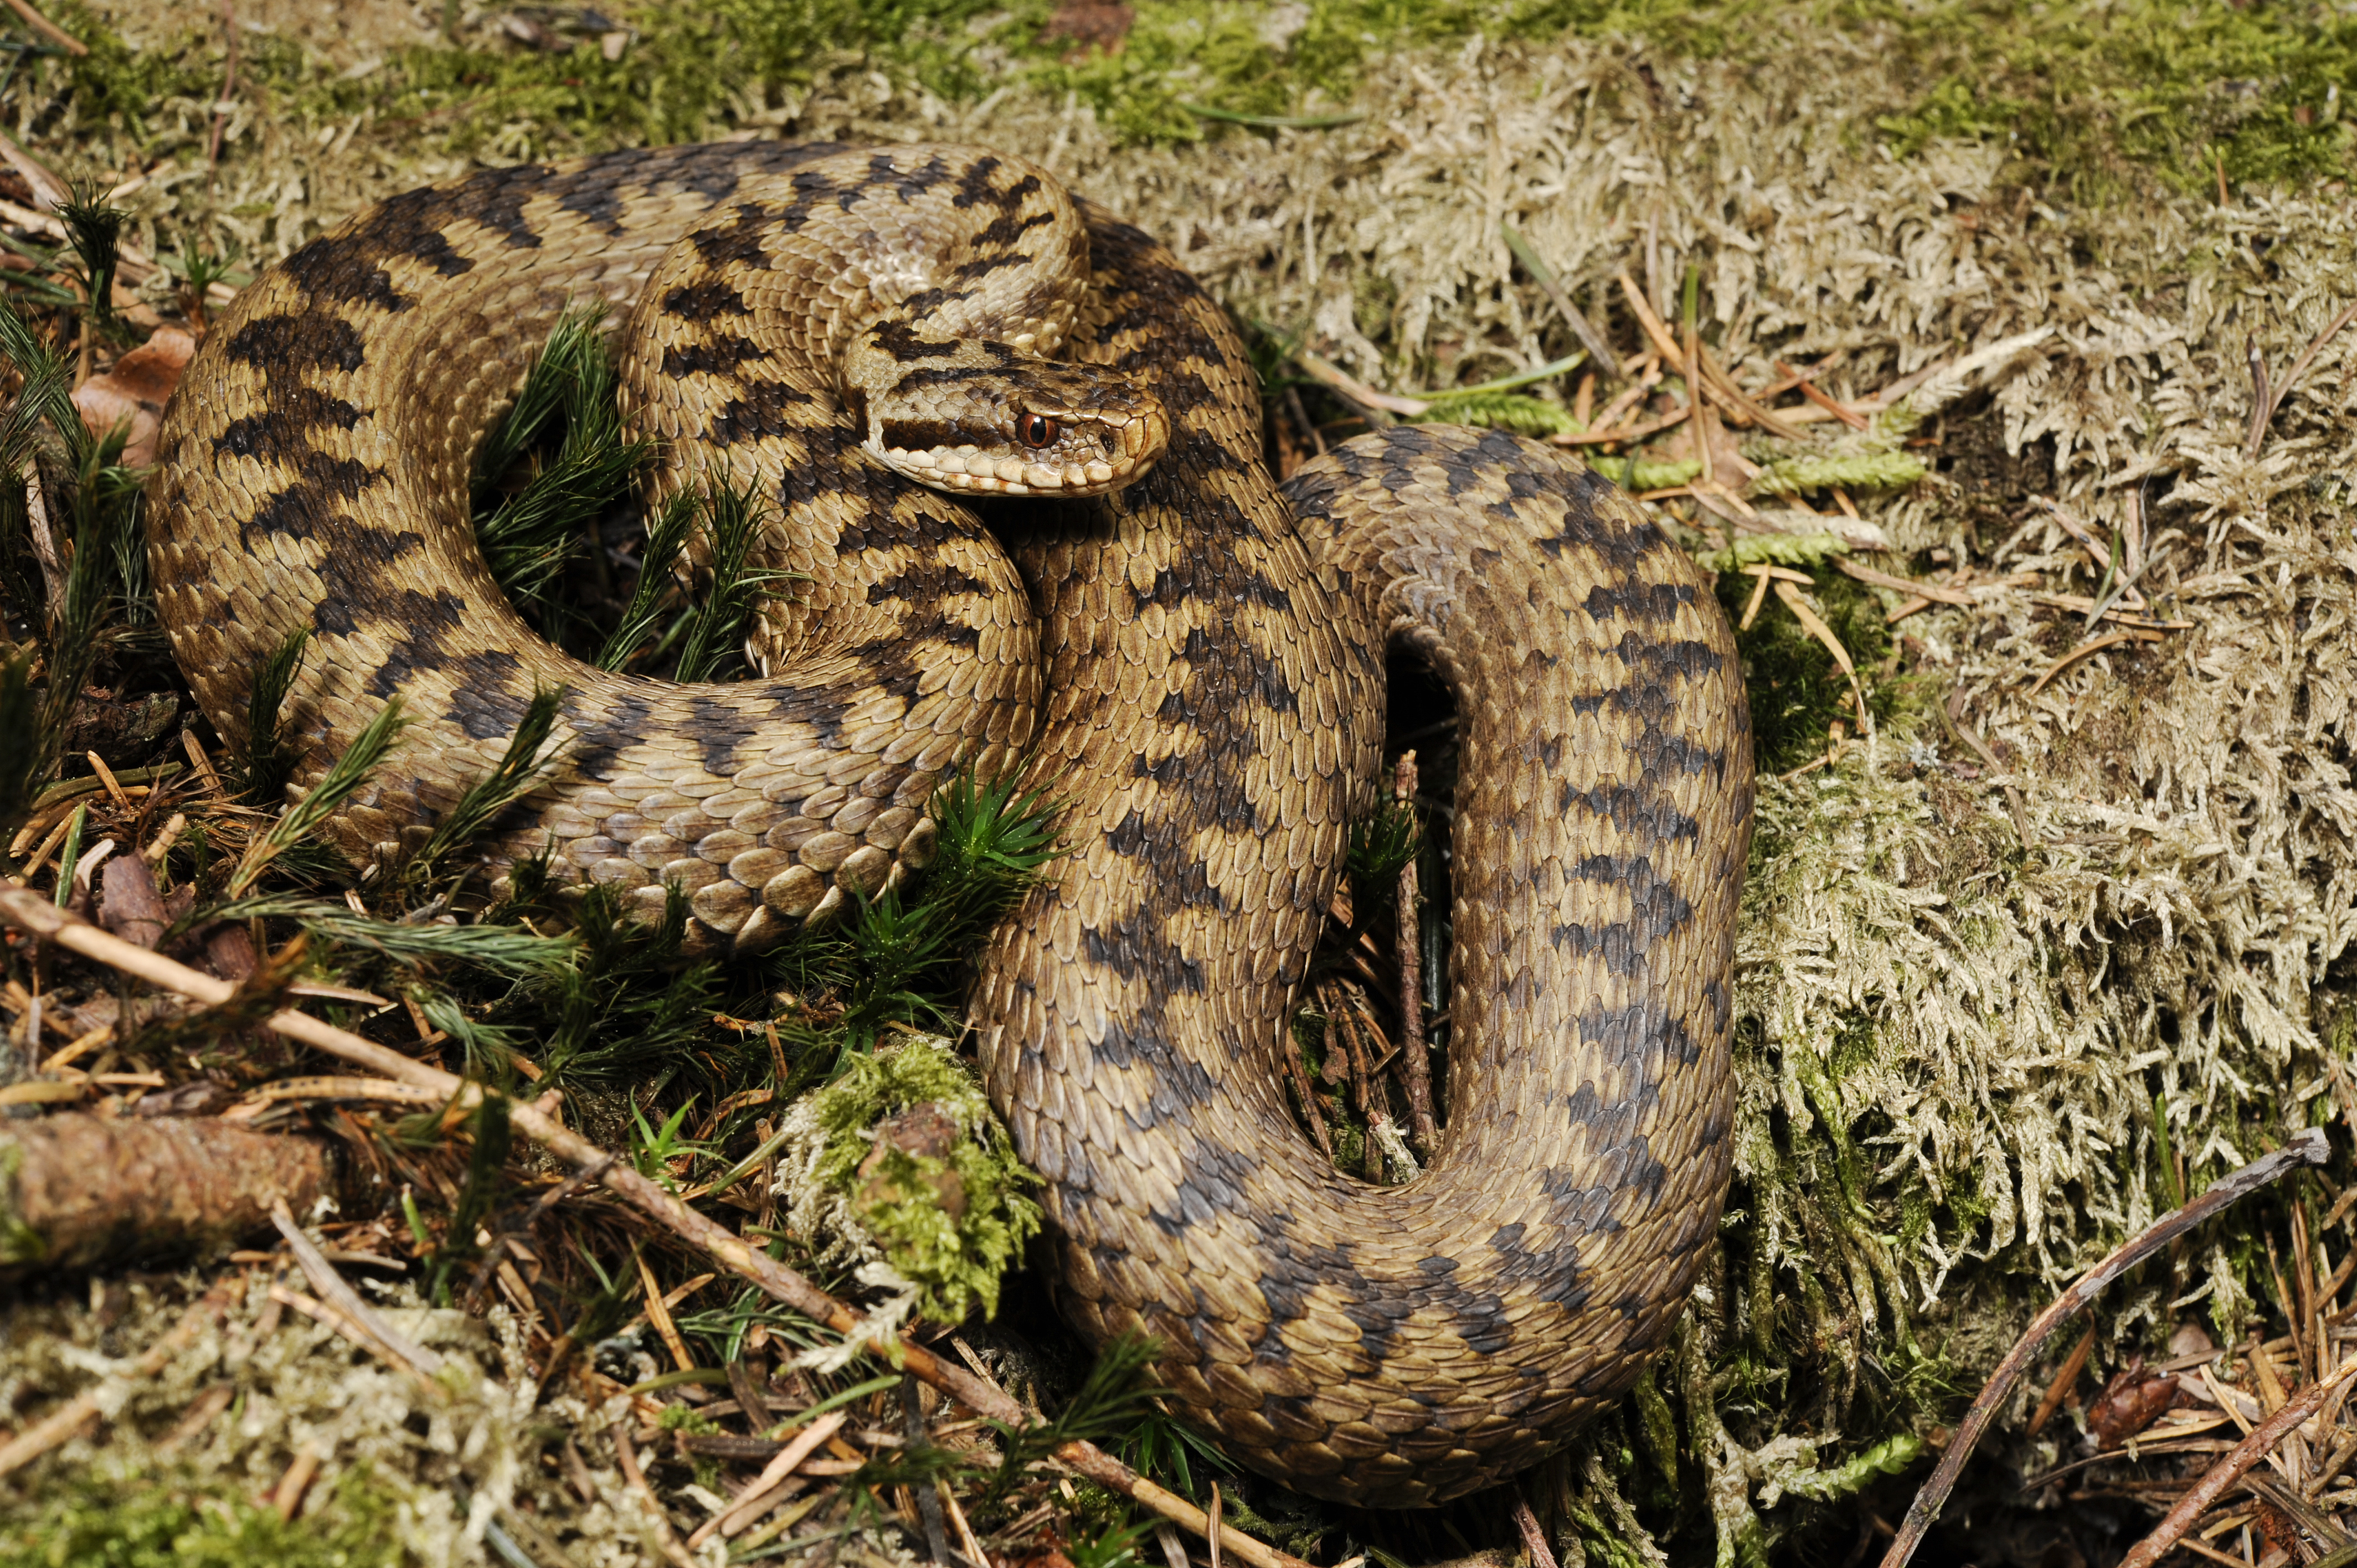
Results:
x,y
47,394
351,770
21,749
992,841
665,541
527,538
94,230
509,953
575,348
486,1179
1112,1398
517,773
711,649
269,759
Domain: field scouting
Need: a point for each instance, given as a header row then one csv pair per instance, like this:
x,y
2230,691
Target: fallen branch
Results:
x,y
2262,1442
32,913
84,1189
2310,1148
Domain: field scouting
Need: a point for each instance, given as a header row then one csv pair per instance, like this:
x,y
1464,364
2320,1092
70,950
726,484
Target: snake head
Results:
x,y
1003,424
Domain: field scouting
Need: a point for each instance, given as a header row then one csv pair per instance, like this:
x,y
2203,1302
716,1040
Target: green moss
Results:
x,y
86,1522
2079,95
1796,690
2164,84
953,1241
19,1243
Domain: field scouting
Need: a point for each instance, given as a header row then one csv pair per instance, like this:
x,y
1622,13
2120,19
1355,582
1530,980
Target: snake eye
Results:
x,y
1035,430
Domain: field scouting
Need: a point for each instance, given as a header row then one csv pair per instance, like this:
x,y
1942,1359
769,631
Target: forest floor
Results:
x,y
2025,452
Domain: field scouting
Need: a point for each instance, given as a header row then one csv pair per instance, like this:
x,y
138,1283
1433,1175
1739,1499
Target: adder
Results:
x,y
1189,656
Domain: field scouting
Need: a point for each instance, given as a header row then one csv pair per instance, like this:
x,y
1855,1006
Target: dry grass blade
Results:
x,y
1815,624
29,912
1930,591
2310,1148
2057,1390
1359,391
2092,646
1581,328
2263,1441
2299,367
331,1287
352,1330
48,29
769,1488
1602,437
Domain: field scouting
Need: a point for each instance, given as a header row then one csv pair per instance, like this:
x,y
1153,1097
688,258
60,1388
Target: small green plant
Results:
x,y
94,232
269,761
518,772
652,592
710,648
529,536
296,823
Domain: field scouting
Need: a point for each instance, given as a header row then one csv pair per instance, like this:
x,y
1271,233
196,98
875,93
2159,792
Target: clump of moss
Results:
x,y
901,1159
1796,690
186,1520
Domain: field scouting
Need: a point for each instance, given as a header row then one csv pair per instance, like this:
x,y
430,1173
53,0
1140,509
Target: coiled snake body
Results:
x,y
1193,661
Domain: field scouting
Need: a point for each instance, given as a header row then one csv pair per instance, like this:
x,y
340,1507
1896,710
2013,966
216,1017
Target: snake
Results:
x,y
1011,457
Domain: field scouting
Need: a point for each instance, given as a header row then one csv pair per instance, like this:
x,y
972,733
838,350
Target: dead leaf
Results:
x,y
2131,1401
136,389
129,906
1092,24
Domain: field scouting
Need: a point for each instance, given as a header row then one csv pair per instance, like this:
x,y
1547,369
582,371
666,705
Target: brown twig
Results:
x,y
2309,1148
2263,1440
1534,1538
229,84
2308,356
40,24
665,1536
32,913
1581,328
69,1417
2062,1383
1415,1071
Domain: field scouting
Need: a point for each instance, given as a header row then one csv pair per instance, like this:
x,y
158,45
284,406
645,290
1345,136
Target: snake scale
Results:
x,y
1192,659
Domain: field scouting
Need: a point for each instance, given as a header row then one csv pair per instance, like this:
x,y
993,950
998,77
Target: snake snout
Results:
x,y
1033,429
